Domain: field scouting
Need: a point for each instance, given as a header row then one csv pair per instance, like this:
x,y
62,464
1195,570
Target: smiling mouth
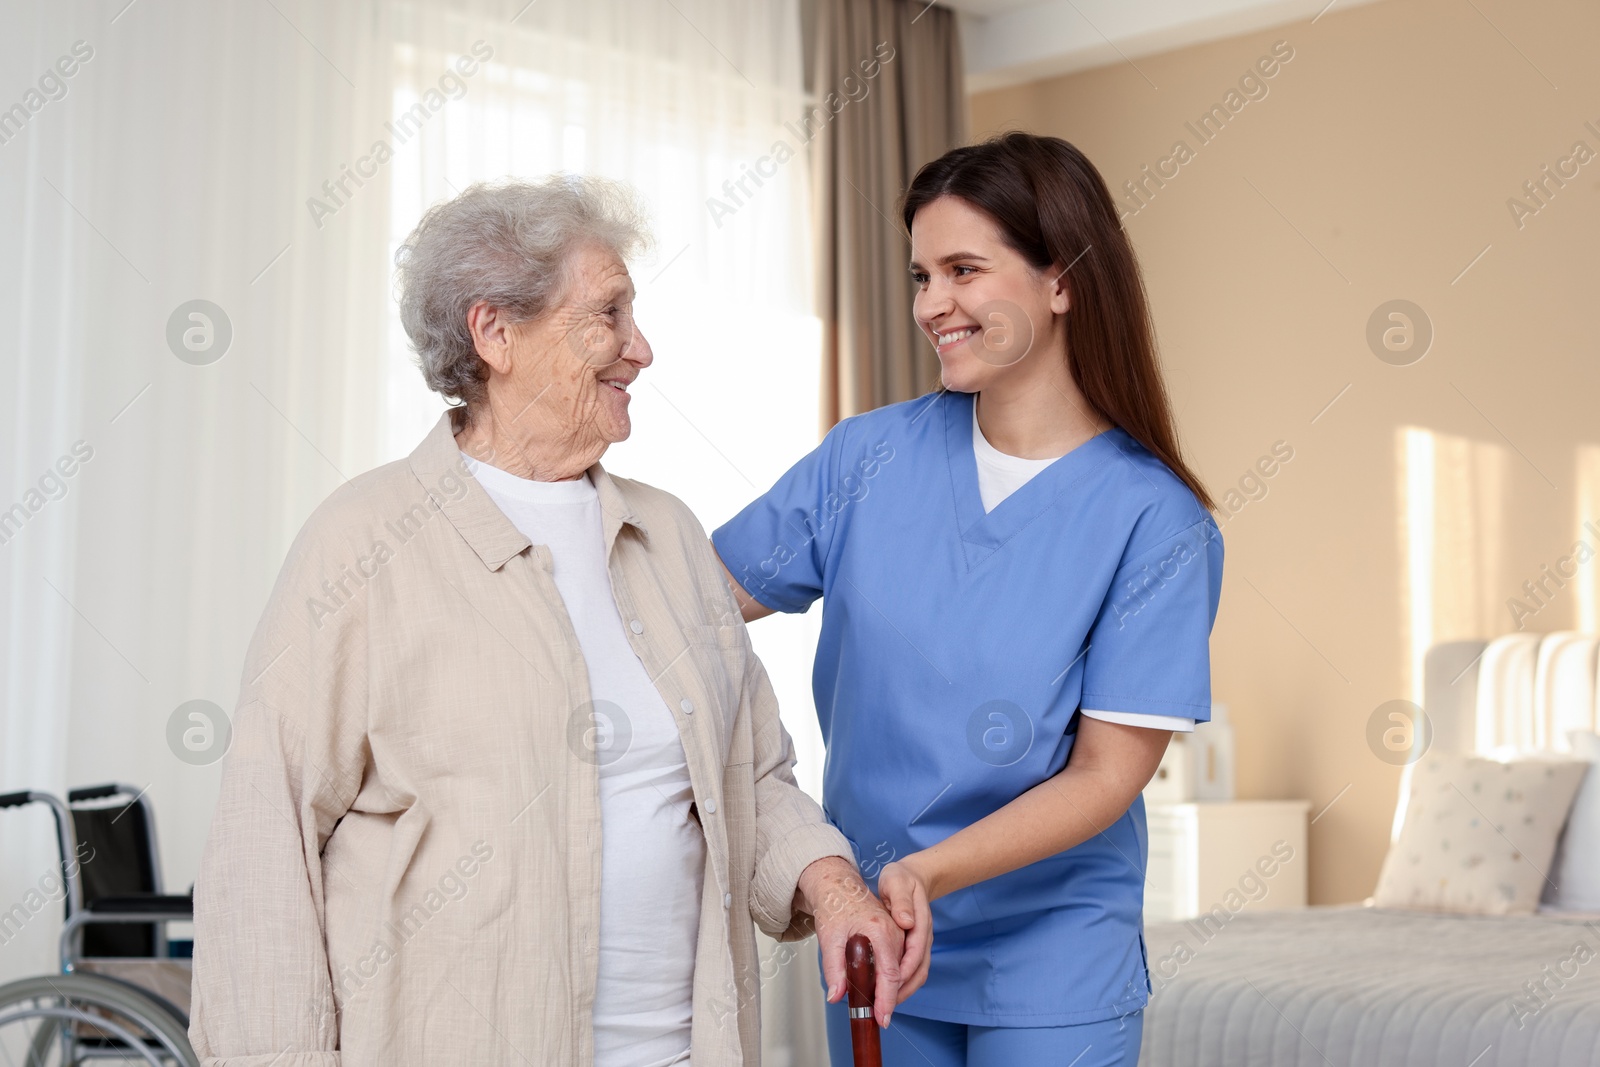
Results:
x,y
954,336
618,384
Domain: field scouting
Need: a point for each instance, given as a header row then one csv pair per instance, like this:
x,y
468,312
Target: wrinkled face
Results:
x,y
989,313
572,366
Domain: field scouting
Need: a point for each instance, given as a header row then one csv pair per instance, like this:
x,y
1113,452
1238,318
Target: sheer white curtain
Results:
x,y
230,153
171,165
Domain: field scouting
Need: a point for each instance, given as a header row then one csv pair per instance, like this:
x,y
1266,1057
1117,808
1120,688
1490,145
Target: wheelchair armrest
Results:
x,y
149,905
146,909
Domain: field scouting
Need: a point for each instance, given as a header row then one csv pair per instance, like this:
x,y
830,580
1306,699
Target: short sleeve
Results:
x,y
1150,648
778,545
1148,722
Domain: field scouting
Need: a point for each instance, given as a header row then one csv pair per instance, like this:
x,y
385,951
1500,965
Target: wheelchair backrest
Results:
x,y
115,844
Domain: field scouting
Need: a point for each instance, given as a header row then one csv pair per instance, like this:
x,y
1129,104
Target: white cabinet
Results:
x,y
1235,855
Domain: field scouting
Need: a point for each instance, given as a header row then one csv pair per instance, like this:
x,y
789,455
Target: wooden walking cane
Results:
x,y
861,983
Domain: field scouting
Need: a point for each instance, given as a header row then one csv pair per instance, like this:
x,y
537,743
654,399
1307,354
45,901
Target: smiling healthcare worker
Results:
x,y
1019,576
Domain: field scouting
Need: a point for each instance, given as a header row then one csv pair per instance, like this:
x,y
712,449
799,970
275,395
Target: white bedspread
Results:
x,y
1351,986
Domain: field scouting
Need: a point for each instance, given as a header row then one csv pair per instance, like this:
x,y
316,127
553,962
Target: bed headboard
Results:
x,y
1450,693
1517,693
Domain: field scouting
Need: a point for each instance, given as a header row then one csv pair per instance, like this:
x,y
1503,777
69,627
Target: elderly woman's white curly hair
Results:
x,y
507,244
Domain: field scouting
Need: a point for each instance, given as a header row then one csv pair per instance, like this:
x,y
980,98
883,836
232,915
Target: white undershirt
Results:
x,y
652,853
1000,475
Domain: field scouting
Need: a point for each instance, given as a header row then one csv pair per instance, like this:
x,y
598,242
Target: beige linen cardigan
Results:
x,y
404,864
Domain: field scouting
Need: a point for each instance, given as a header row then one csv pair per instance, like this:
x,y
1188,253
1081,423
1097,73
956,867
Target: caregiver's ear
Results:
x,y
490,328
1060,289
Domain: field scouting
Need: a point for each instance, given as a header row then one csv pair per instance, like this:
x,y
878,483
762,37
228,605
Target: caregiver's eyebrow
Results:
x,y
951,258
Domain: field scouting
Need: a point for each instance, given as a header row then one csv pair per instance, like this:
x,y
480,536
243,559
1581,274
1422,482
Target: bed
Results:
x,y
1341,986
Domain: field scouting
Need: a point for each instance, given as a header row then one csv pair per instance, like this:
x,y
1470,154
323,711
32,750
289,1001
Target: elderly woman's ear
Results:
x,y
492,334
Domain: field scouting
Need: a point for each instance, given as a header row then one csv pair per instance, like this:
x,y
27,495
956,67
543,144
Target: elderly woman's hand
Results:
x,y
842,906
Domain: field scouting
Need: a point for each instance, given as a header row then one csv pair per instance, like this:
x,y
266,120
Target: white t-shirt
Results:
x,y
1000,475
652,853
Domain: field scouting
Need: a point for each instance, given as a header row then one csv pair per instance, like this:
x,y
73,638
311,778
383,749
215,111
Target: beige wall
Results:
x,y
1378,165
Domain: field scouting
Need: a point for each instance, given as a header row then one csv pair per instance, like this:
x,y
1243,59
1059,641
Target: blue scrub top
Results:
x,y
957,647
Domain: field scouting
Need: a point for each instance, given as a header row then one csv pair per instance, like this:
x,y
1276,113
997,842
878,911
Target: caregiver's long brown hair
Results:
x,y
1053,208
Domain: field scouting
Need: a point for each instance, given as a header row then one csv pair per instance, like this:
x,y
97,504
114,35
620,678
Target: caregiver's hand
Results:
x,y
842,906
903,888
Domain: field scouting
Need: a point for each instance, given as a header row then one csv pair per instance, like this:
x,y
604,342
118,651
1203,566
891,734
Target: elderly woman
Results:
x,y
507,783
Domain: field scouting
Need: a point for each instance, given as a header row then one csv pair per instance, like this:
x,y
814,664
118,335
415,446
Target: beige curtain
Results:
x,y
893,70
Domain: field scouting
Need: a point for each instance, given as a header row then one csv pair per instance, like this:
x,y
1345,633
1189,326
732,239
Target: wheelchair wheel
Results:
x,y
71,1019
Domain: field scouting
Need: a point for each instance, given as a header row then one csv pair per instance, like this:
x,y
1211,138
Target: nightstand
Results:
x,y
1236,855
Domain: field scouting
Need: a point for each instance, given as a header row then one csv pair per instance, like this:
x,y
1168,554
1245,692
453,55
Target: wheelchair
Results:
x,y
123,990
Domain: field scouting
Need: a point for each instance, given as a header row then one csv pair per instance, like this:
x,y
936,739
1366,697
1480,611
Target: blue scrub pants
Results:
x,y
913,1042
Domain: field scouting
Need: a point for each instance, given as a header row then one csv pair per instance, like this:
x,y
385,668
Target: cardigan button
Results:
x,y
636,626
687,705
727,900
711,807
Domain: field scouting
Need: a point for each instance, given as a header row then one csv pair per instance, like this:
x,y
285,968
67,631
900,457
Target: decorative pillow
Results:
x,y
1478,835
1576,871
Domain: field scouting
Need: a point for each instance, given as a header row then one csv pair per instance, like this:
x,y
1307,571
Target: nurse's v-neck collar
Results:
x,y
983,532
